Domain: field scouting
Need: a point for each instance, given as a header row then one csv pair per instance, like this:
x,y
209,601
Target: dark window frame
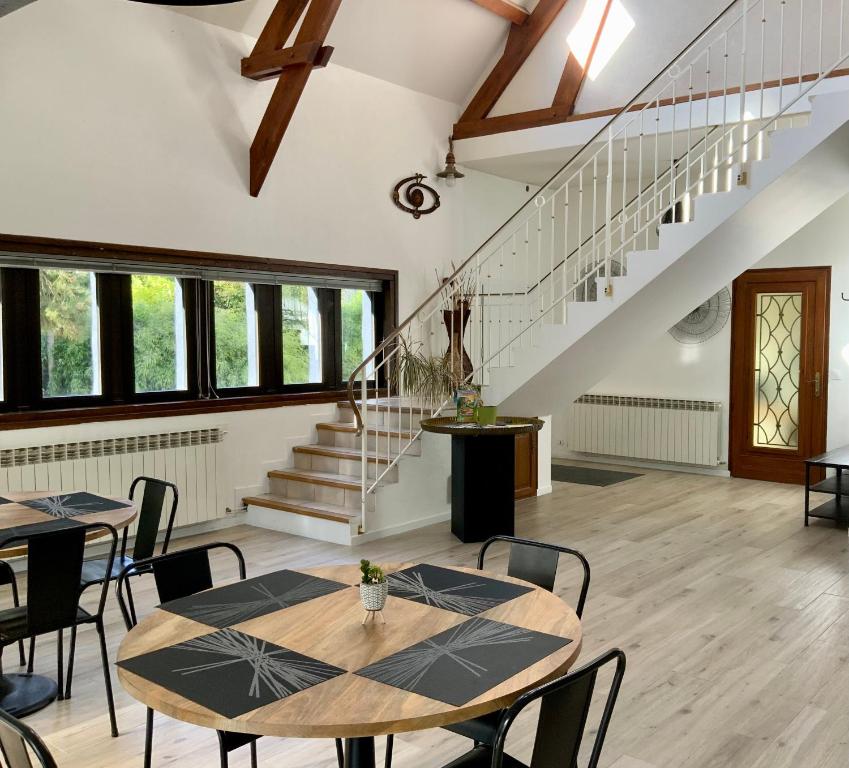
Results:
x,y
24,405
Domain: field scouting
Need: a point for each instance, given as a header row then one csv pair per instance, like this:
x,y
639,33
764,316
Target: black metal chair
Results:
x,y
17,741
564,711
95,571
54,564
180,574
147,530
7,576
533,561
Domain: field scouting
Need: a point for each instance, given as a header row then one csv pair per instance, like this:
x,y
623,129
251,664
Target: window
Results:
x,y
301,335
617,26
159,334
357,330
236,358
70,333
154,332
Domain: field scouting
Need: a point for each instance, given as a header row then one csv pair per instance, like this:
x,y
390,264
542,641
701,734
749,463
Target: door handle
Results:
x,y
817,382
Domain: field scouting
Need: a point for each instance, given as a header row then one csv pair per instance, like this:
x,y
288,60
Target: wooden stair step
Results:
x,y
335,452
305,507
314,477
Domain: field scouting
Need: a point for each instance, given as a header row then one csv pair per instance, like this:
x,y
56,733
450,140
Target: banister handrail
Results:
x,y
578,233
395,334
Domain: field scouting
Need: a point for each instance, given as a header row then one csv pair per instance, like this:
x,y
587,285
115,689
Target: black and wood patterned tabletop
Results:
x,y
286,653
32,512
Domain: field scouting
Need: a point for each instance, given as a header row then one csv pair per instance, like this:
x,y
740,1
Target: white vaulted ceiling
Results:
x,y
438,47
446,47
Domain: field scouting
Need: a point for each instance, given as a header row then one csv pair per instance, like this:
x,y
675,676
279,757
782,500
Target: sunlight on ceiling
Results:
x,y
617,27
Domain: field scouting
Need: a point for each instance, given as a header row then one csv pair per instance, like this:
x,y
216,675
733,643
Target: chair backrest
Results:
x,y
150,514
563,715
54,566
177,574
536,562
15,737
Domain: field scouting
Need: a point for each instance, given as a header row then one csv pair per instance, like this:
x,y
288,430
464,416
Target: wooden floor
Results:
x,y
735,619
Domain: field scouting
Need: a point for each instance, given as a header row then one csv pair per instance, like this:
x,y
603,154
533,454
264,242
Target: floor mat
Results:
x,y
587,476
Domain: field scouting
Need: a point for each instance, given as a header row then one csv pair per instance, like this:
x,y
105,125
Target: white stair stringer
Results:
x,y
807,170
420,497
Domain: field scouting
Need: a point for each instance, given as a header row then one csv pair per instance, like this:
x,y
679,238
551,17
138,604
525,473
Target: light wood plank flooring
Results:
x,y
735,619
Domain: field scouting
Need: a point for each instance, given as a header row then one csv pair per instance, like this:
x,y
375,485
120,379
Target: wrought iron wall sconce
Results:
x,y
415,194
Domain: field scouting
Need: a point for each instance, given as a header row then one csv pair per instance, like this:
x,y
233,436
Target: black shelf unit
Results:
x,y
837,485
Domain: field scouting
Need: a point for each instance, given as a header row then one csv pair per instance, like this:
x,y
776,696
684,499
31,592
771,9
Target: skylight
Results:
x,y
616,28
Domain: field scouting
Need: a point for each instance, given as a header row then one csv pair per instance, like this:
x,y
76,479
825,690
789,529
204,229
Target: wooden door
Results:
x,y
526,465
779,372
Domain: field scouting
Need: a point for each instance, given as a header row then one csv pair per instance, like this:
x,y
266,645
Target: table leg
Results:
x,y
21,695
807,491
359,753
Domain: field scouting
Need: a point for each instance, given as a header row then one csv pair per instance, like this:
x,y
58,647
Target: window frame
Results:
x,y
24,406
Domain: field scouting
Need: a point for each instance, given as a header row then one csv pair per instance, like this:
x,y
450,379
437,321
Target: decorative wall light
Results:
x,y
450,173
705,321
415,194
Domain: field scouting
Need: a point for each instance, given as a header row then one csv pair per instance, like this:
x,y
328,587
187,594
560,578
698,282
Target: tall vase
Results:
x,y
456,356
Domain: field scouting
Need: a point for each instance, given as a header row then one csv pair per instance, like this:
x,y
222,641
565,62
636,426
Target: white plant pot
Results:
x,y
373,596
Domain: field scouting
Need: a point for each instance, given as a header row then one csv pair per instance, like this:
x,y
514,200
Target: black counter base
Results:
x,y
482,486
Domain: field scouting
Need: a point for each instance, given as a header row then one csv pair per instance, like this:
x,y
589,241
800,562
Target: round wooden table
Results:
x,y
15,515
24,694
173,663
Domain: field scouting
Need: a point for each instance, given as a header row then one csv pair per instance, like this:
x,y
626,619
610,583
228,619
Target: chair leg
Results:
x,y
148,738
131,603
107,679
17,603
31,655
70,673
340,753
253,754
59,665
390,742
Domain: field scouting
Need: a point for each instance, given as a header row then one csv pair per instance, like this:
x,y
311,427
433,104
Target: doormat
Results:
x,y
587,476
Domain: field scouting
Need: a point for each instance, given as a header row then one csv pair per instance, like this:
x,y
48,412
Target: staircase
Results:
x,y
730,150
321,495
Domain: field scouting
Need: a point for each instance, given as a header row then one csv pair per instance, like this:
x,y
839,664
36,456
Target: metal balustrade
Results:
x,y
692,131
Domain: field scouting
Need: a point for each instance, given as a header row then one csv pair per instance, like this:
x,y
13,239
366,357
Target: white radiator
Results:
x,y
648,428
191,460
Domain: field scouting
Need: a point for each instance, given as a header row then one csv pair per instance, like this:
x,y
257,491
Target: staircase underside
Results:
x,y
807,172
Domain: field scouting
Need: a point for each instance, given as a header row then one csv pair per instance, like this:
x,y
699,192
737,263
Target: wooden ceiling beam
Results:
x,y
574,75
293,77
264,66
536,118
280,25
521,40
505,9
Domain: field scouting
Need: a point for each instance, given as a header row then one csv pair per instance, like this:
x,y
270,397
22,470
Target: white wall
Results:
x,y
131,124
669,369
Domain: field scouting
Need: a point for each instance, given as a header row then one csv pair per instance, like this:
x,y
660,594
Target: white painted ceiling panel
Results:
x,y
437,47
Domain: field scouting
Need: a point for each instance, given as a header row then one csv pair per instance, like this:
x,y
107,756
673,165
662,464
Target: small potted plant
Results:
x,y
374,587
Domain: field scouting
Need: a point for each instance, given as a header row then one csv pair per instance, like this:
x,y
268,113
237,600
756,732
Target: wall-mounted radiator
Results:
x,y
648,428
191,460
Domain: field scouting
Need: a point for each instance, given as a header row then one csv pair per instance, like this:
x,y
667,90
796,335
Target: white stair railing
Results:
x,y
693,130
